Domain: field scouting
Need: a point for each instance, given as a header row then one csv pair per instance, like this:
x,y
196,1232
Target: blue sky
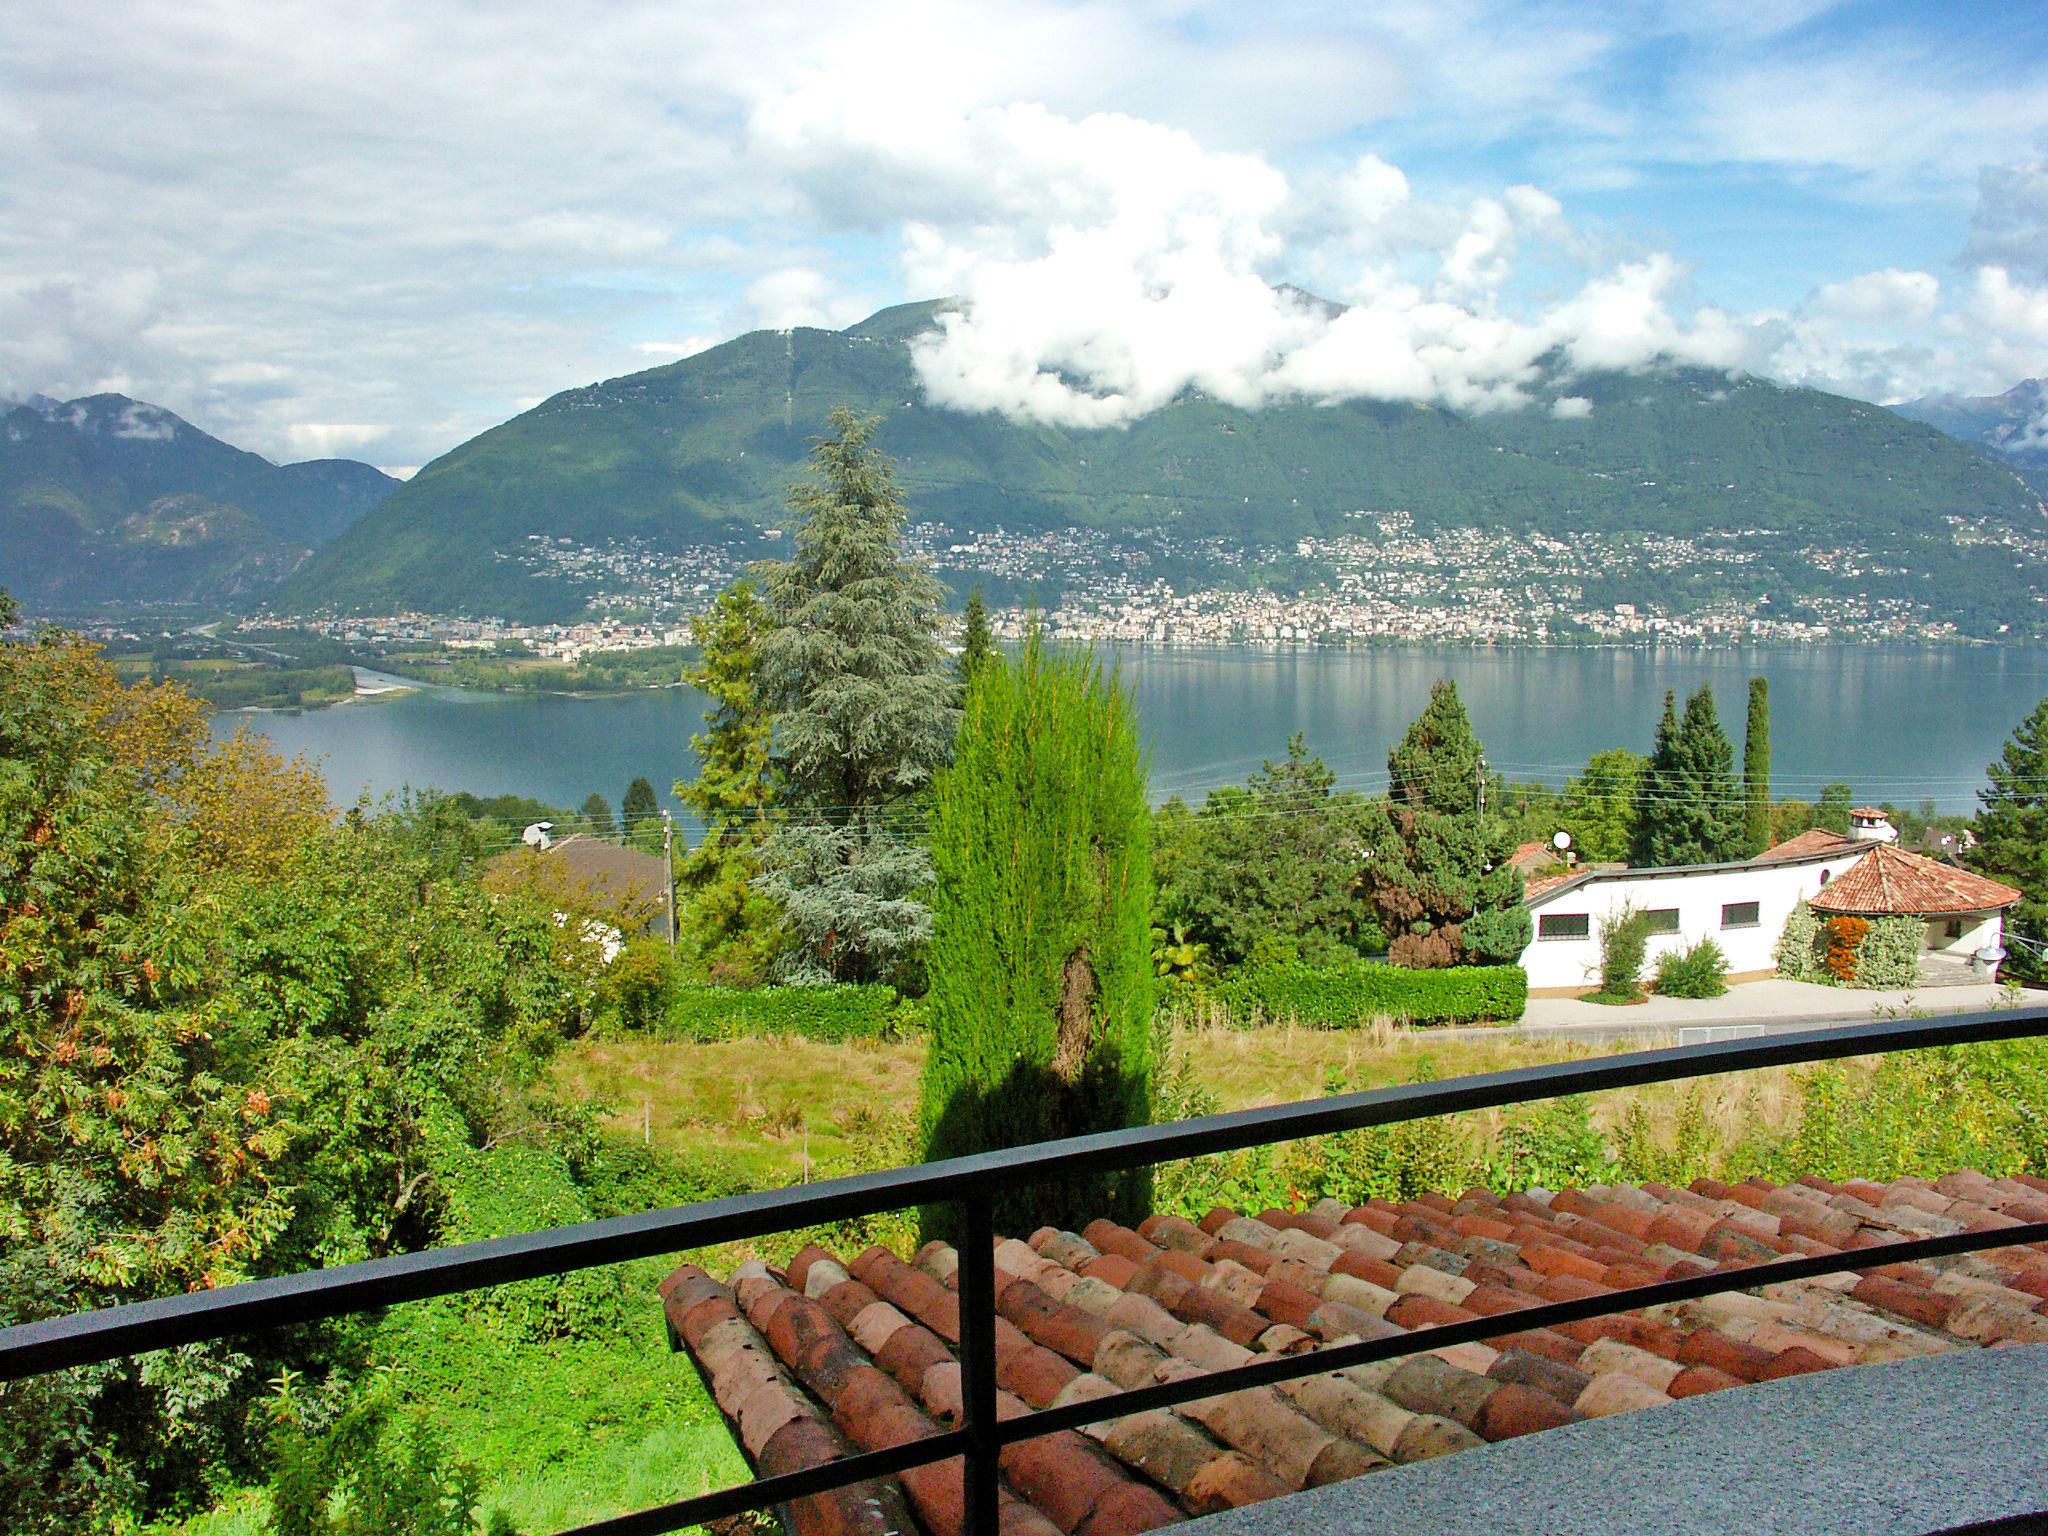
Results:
x,y
376,229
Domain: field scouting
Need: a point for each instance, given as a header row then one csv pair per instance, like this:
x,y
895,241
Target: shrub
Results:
x,y
636,987
1346,995
1701,971
826,1013
1844,938
1890,953
1624,941
1798,951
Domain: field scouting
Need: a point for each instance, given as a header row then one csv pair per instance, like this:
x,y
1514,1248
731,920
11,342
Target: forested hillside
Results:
x,y
703,450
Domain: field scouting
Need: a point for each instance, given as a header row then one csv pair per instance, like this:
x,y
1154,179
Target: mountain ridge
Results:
x,y
702,450
2012,427
108,499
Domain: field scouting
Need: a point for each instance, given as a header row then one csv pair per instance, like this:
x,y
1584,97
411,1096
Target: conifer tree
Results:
x,y
977,639
865,708
1437,765
729,924
639,811
1832,814
2012,833
1756,770
598,812
1440,872
1041,955
1689,809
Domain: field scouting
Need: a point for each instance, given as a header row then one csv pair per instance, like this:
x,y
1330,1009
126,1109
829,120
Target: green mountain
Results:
x,y
702,451
2012,427
107,500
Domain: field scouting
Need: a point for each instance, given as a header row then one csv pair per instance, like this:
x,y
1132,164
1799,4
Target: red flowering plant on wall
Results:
x,y
1845,938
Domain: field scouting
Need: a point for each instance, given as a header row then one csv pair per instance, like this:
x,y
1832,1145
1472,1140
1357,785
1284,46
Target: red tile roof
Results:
x,y
1889,880
1814,840
1541,884
812,1363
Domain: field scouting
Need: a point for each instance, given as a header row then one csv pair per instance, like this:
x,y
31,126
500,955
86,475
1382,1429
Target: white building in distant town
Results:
x,y
1743,906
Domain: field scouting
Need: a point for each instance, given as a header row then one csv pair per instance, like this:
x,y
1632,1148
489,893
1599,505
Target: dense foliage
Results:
x,y
233,1035
1282,858
1689,809
1347,994
829,1013
865,708
1041,965
1624,942
1700,970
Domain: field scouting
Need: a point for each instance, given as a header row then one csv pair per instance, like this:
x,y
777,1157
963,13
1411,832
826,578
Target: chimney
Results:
x,y
1869,825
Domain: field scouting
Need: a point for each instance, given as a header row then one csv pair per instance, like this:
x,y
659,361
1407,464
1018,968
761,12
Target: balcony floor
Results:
x,y
1901,1449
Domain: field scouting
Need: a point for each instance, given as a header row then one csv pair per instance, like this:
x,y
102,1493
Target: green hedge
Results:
x,y
1343,996
826,1013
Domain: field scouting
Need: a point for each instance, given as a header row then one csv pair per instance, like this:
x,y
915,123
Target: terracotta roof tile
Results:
x,y
1889,880
1814,840
825,1358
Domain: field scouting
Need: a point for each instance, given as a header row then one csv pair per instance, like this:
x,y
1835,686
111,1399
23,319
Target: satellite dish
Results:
x,y
1560,840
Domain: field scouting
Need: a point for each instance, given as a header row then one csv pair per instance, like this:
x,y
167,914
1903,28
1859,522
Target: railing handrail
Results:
x,y
114,1332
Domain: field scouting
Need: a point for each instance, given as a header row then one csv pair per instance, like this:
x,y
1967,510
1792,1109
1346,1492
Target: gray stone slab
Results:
x,y
1876,1450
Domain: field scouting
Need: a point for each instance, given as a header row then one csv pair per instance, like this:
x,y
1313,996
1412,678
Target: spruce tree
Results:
x,y
1756,770
2012,833
1689,809
1439,871
1832,814
1437,764
1041,955
977,640
865,707
727,922
597,812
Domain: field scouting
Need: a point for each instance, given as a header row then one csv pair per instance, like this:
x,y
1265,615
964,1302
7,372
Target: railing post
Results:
x,y
978,1363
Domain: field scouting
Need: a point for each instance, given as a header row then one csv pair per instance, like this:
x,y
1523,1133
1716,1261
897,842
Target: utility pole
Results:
x,y
1479,786
668,859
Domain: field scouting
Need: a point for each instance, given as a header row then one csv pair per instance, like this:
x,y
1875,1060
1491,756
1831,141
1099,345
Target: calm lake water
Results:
x,y
1898,723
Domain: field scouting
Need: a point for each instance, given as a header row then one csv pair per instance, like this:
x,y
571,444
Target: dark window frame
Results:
x,y
1754,920
1584,919
1655,917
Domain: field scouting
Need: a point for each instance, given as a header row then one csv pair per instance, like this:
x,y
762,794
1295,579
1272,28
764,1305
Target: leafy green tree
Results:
x,y
865,709
728,923
1832,814
597,815
1439,764
1689,808
1601,814
977,640
1440,873
640,814
1281,857
2012,832
1041,967
1756,770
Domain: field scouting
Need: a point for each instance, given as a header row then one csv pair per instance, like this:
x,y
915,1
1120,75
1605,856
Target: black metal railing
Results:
x,y
969,1182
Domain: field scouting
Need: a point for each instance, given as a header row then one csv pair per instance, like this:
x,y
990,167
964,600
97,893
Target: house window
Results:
x,y
1661,919
1740,914
1563,925
1954,929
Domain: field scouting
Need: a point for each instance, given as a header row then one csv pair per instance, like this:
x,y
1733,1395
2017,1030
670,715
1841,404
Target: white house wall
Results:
x,y
1981,930
1573,965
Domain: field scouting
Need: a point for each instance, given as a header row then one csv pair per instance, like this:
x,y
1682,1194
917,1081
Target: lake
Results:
x,y
1900,723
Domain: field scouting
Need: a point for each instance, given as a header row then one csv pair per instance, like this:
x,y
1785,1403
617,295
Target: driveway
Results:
x,y
1770,1007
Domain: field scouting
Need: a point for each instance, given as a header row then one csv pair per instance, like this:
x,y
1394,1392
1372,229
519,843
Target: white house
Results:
x,y
1743,906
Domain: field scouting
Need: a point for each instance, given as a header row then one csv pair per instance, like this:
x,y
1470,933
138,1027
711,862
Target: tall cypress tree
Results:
x,y
640,814
865,707
1689,808
1756,769
1041,955
977,639
2012,833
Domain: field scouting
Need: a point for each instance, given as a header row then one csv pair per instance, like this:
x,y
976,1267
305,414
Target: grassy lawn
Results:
x,y
780,1110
